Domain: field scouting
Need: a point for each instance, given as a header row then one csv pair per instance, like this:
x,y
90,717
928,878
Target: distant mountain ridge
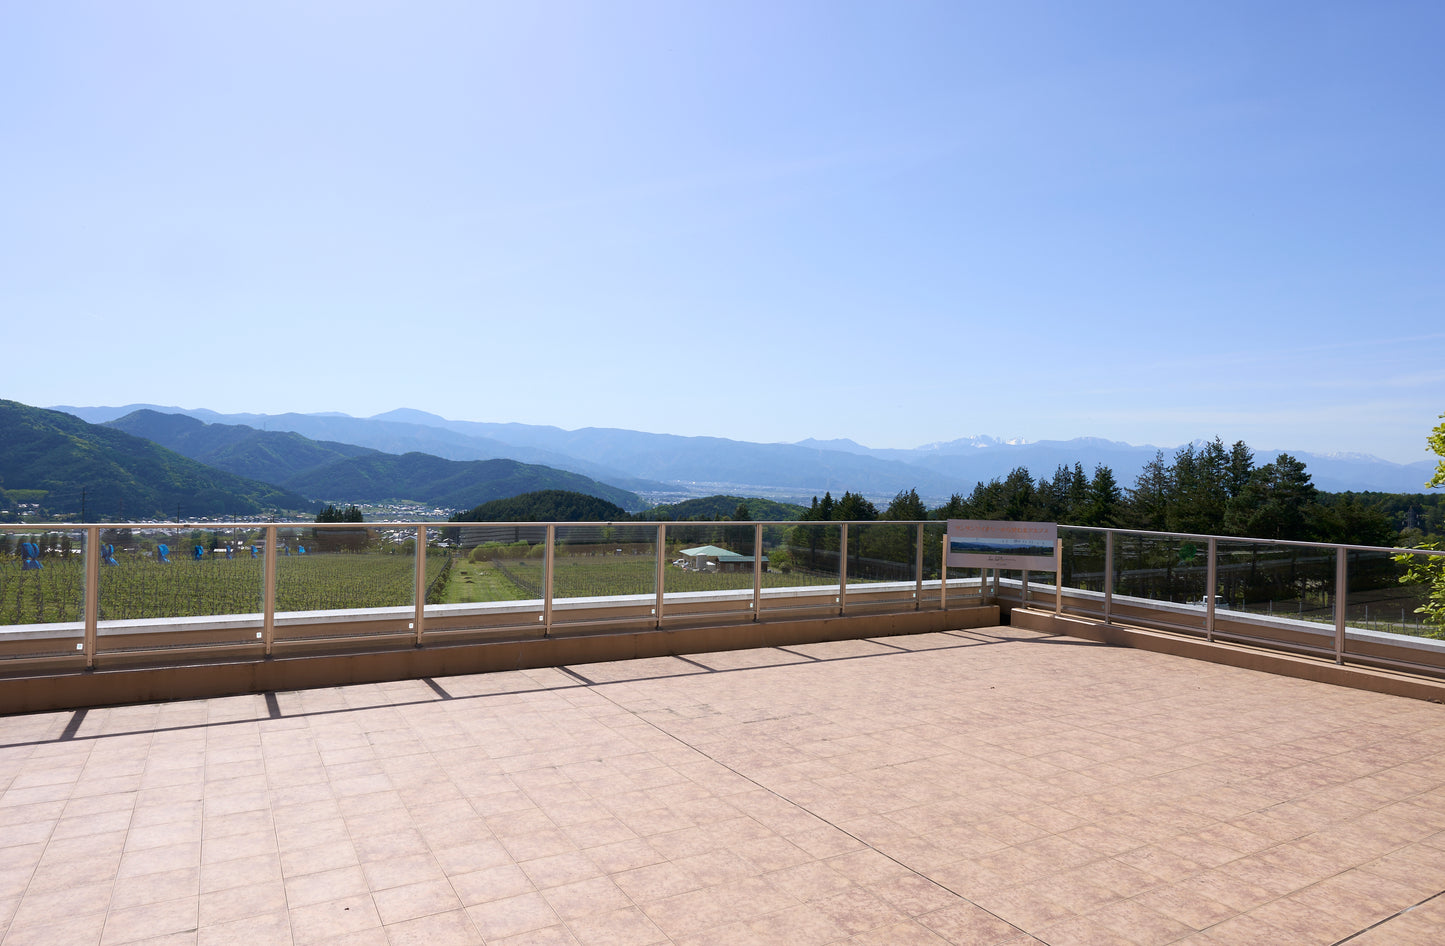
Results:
x,y
328,470
388,436
72,468
649,462
272,456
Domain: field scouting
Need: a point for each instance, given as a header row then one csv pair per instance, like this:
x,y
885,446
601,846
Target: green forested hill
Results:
x,y
548,505
342,472
723,507
59,461
459,484
272,456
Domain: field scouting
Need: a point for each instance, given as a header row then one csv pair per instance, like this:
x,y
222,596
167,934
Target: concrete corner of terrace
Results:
x,y
863,749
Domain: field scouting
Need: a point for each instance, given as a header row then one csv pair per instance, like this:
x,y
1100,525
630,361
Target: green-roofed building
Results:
x,y
707,558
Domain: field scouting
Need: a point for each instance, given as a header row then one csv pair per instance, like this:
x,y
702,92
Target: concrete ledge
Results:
x,y
200,679
1234,655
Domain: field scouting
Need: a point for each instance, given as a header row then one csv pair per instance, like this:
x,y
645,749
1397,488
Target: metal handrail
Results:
x,y
270,530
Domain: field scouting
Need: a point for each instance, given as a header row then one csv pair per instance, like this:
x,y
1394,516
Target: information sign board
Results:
x,y
987,543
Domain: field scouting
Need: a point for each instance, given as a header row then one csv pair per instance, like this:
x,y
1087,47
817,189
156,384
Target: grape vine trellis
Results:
x,y
140,588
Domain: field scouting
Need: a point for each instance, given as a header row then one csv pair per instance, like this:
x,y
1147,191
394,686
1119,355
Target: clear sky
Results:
x,y
899,222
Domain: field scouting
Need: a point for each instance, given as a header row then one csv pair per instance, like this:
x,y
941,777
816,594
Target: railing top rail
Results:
x,y
1395,550
42,527
448,524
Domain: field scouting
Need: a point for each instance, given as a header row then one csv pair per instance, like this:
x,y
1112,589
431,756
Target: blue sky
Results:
x,y
895,222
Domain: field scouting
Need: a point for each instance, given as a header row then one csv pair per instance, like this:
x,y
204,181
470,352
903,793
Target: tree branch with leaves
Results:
x,y
1429,570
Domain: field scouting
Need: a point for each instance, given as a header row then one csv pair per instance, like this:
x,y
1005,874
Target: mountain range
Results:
x,y
56,463
332,470
668,466
148,465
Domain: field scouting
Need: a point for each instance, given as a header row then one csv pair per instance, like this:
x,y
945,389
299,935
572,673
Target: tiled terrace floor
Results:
x,y
968,787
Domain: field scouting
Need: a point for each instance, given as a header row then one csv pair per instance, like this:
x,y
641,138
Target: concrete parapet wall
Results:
x,y
1302,667
229,677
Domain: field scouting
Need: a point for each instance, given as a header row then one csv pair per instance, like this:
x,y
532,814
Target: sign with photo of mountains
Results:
x,y
978,543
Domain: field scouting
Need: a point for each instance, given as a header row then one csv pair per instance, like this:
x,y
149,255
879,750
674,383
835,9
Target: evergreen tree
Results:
x,y
1200,489
1276,503
1104,505
1149,499
955,508
1241,467
1020,499
906,506
852,506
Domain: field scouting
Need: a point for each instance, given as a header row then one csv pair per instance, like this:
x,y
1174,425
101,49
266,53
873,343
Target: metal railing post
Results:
x,y
918,570
420,577
661,571
757,570
547,580
1108,576
943,576
268,591
1058,576
1211,580
842,567
1023,588
92,593
1342,600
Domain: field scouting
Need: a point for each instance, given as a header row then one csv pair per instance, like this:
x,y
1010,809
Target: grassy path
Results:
x,y
472,582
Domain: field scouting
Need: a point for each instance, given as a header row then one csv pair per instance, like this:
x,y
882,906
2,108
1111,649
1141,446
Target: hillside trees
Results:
x,y
332,514
1104,501
1150,497
1275,503
1429,570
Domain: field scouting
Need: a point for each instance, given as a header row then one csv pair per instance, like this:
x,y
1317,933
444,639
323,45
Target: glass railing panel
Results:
x,y
493,584
42,593
1291,581
964,583
1278,593
495,562
604,573
178,588
882,564
933,534
803,567
1160,579
1390,614
709,568
351,580
1082,578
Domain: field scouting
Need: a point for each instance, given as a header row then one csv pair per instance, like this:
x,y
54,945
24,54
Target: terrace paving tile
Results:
x,y
961,787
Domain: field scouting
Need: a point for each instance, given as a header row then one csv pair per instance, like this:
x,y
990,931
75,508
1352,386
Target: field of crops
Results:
x,y
140,587
596,576
144,588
